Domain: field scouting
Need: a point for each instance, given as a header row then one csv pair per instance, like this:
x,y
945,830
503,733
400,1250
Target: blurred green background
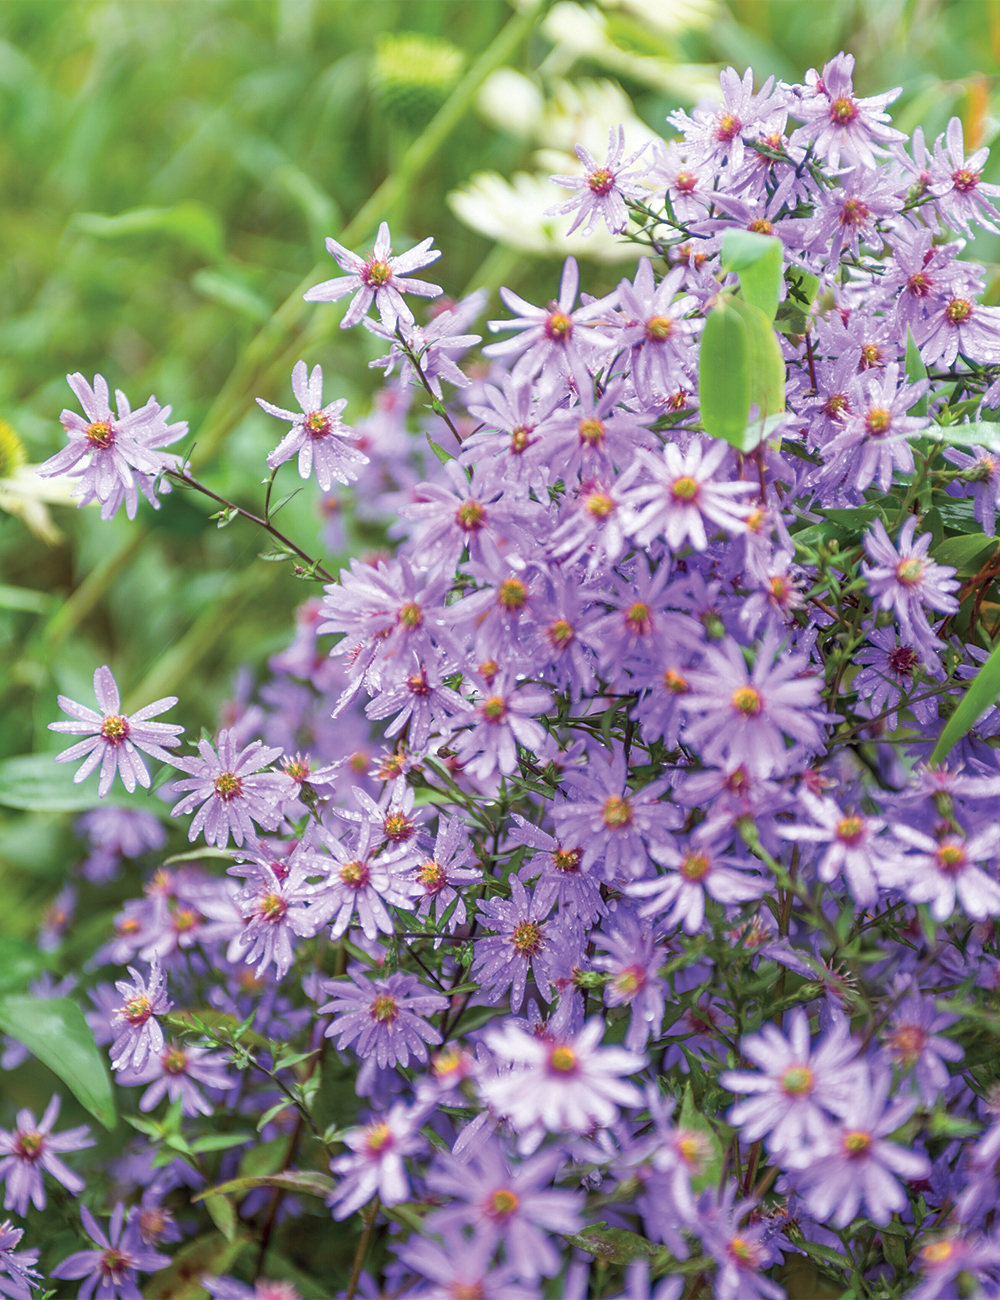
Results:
x,y
169,171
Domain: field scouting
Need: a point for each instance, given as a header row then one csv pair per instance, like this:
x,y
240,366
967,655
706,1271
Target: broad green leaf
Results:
x,y
724,374
757,260
980,694
966,554
981,434
37,783
693,1120
26,598
211,1253
766,364
309,1182
192,223
223,1214
54,1030
612,1245
915,369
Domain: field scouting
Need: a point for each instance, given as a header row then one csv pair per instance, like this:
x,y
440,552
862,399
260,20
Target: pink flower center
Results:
x,y
908,1043
601,182
854,213
494,709
174,1061
470,516
745,1254
527,938
114,729
376,274
728,125
378,1138
28,1146
902,660
558,326
101,435
114,1262
384,1009
418,685
228,786
965,180
871,356
835,405
137,1010
843,111
520,437
271,907
316,424
685,182
355,875
919,285
398,827
629,981
910,572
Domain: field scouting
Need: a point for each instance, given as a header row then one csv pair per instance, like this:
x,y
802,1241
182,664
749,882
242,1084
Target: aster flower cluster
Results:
x,y
621,883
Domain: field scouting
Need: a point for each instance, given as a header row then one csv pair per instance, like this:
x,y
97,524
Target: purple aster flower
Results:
x,y
611,824
523,941
362,879
942,870
506,717
114,737
714,132
559,1085
119,450
914,1041
837,122
231,790
849,216
380,279
460,1267
31,1148
699,869
741,715
858,1167
984,478
176,1071
137,1031
317,436
125,831
888,670
265,1288
683,495
960,325
603,190
656,329
554,338
384,1018
957,182
873,442
853,848
799,1085
277,903
950,1263
598,432
443,875
437,345
741,1250
632,959
905,579
561,880
17,1267
375,1162
112,1269
512,1204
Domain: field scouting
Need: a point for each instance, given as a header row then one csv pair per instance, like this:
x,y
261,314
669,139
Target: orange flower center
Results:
x,y
747,700
617,812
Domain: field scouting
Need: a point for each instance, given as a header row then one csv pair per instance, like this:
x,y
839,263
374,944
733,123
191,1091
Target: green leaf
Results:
x,y
757,260
308,1182
211,1253
37,783
612,1245
724,374
196,855
915,369
223,1214
192,223
980,695
693,1120
54,1030
228,289
220,1141
981,434
766,363
443,456
965,554
26,598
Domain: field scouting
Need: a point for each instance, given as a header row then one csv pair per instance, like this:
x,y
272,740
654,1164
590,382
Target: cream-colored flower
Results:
x,y
24,494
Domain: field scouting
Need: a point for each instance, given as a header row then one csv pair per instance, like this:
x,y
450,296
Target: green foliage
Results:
x,y
54,1030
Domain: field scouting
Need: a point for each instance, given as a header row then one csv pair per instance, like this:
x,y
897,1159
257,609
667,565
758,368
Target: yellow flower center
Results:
x,y
797,1080
562,1059
378,1137
591,432
432,876
228,786
410,614
355,875
377,274
317,425
137,1010
857,1142
29,1145
747,700
100,435
470,516
950,857
958,311
495,709
843,110
761,226
601,181
512,593
558,326
272,907
639,619
659,328
599,504
175,1060
695,866
398,827
878,421
114,730
617,812
560,633
850,830
910,572
384,1009
684,488
527,938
